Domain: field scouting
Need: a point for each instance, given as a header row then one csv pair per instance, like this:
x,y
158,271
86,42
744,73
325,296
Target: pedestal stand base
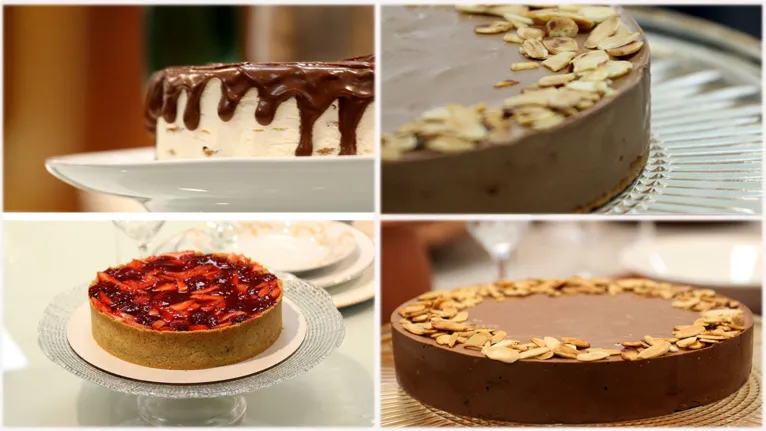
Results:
x,y
220,411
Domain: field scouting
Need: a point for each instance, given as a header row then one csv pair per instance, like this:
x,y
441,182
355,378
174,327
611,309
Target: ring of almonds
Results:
x,y
545,36
443,316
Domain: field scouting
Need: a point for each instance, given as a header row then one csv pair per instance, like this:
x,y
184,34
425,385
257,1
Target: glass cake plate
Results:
x,y
706,121
741,409
219,403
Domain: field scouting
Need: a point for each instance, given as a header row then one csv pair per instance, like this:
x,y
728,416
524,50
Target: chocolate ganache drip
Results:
x,y
315,86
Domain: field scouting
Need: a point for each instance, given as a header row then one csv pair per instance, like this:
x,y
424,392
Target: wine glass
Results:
x,y
223,233
140,231
499,239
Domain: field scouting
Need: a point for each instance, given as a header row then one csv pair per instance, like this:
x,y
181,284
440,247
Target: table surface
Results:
x,y
56,256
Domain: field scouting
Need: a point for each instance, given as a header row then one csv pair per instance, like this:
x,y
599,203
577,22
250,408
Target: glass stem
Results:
x,y
502,265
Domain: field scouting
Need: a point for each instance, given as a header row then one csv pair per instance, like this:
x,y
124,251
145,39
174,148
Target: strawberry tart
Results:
x,y
186,310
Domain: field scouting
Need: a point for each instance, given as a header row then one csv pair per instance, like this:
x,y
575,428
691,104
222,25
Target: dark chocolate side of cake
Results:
x,y
314,85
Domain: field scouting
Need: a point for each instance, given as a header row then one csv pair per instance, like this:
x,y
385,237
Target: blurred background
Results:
x,y
74,76
422,256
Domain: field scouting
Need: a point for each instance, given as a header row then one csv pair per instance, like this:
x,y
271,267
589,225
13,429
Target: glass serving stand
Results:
x,y
211,404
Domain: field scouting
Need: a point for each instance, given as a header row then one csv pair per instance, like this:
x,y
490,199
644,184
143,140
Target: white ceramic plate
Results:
x,y
348,268
355,291
300,184
699,259
82,342
296,246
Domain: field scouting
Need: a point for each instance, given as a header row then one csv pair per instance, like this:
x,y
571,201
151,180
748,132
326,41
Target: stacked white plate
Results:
x,y
329,254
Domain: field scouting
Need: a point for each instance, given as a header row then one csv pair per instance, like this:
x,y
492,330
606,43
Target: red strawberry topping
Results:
x,y
185,291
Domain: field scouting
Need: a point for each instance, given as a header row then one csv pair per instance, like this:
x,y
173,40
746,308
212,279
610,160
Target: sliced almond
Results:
x,y
420,319
443,339
505,343
597,75
616,69
580,344
561,27
695,345
584,104
510,16
501,10
629,354
447,325
498,337
610,352
524,66
513,38
411,309
474,9
453,339
651,340
598,13
460,317
618,40
548,122
659,348
626,50
551,342
449,144
564,99
477,340
535,49
592,356
557,45
556,80
531,353
414,328
565,351
530,33
539,97
602,31
543,16
690,331
506,83
502,354
559,61
538,341
589,60
528,115
494,27
544,356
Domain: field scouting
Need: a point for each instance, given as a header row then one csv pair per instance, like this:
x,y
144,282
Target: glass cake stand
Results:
x,y
706,121
741,409
219,403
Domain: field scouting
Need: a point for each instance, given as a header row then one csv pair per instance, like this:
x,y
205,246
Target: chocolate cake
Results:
x,y
571,351
263,109
511,109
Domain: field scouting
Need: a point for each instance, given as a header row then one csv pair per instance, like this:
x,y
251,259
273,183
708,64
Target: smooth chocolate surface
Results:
x,y
432,57
315,86
464,382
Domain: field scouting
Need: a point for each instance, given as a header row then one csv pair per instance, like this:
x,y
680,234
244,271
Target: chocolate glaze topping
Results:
x,y
314,85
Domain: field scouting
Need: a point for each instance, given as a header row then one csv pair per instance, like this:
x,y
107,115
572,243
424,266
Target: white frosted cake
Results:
x,y
263,109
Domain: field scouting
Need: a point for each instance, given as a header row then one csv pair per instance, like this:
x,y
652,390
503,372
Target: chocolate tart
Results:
x,y
263,109
571,351
186,310
459,139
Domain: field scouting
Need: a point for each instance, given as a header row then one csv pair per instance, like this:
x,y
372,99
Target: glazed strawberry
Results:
x,y
187,291
186,310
